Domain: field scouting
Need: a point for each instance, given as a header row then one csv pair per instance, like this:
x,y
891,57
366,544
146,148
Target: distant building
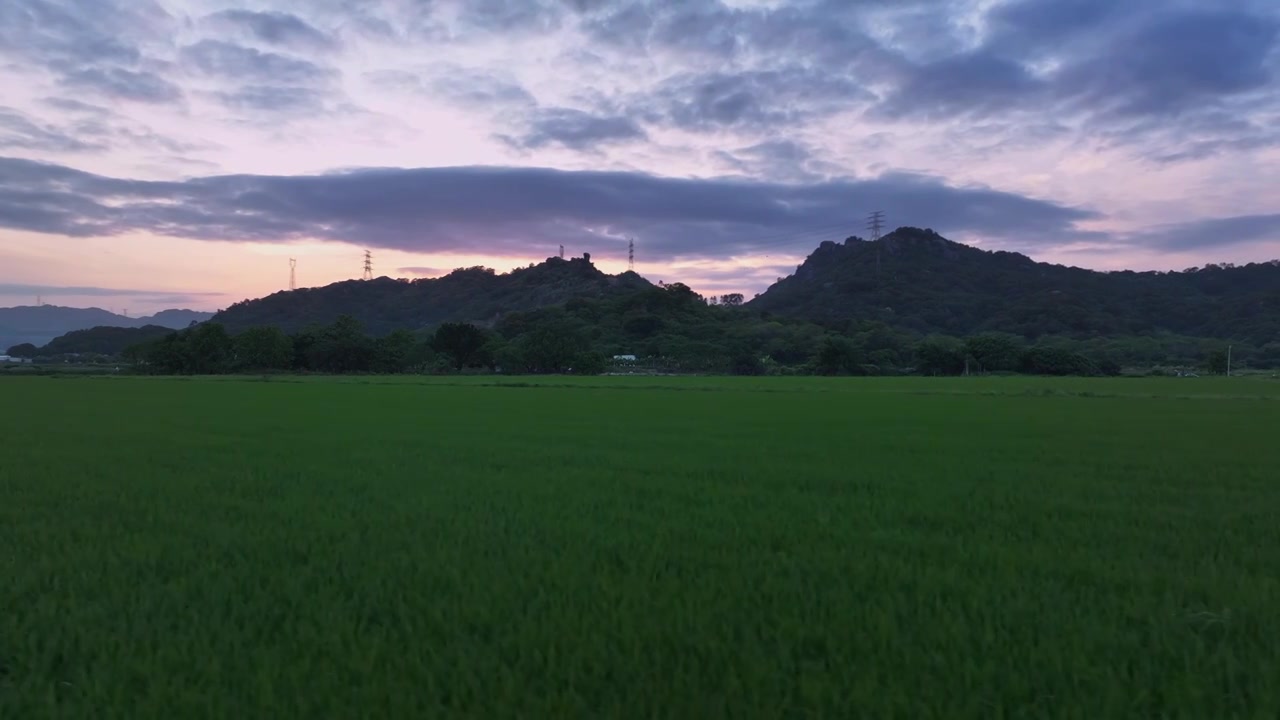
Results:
x,y
627,358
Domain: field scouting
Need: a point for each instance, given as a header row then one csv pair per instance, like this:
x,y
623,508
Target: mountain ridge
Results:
x,y
912,279
40,324
918,280
474,294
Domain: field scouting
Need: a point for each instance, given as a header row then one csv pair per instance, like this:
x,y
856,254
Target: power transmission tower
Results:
x,y
561,252
631,254
368,265
39,301
875,223
293,274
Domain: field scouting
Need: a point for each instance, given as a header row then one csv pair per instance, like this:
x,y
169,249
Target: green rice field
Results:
x,y
621,547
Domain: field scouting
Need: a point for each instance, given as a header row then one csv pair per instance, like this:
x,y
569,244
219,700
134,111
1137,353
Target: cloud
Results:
x,y
274,99
90,129
72,33
25,290
468,87
248,65
1146,74
753,100
503,210
422,271
511,16
1038,27
780,160
19,131
72,105
1175,63
576,129
1212,233
974,83
1197,135
121,84
277,28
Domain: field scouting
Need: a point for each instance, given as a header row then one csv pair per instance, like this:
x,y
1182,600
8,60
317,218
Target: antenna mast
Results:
x,y
562,252
631,254
368,266
293,274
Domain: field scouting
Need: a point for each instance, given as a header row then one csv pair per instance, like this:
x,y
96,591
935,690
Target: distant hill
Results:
x,y
475,294
40,324
103,340
918,280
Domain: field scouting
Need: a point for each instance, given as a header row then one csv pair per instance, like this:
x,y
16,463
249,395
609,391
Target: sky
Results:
x,y
177,153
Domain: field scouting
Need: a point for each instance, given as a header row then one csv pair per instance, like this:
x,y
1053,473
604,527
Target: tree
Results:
x,y
1268,355
1052,360
210,348
552,349
746,363
23,350
398,352
1217,362
341,348
170,355
643,326
263,348
838,356
995,351
940,355
731,300
590,363
461,342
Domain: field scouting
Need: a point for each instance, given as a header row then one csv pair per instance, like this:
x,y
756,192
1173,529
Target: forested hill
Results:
x,y
917,280
476,295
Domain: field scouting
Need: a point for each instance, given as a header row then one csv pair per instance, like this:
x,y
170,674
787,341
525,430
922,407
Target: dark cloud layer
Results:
x,y
516,210
759,90
1243,229
1195,67
1107,64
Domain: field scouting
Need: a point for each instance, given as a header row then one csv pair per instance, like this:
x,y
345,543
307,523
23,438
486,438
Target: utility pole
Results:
x,y
293,274
631,254
368,266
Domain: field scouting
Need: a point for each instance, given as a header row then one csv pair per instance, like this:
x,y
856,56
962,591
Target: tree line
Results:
x,y
668,328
